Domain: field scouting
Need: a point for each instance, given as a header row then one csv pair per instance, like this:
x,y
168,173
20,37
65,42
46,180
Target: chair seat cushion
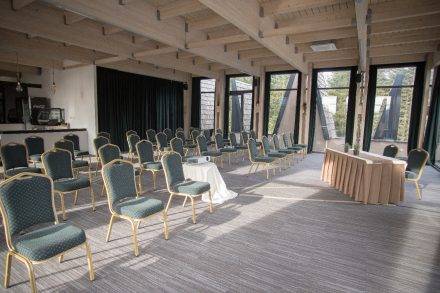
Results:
x,y
296,149
155,166
241,147
261,159
71,184
47,242
80,153
286,151
191,187
228,150
211,153
139,207
275,154
79,164
35,158
190,145
410,175
300,145
15,171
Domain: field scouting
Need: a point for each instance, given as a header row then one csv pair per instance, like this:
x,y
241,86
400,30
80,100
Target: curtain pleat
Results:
x,y
195,102
432,127
129,101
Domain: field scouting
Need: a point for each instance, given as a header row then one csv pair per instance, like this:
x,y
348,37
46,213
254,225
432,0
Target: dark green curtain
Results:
x,y
195,102
432,127
130,101
266,103
351,107
416,107
312,110
369,112
297,110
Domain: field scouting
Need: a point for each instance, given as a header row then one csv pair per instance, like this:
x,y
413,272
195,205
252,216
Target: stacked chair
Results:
x,y
178,185
238,146
33,233
256,159
220,146
145,152
288,152
15,160
273,153
125,202
58,165
35,148
288,144
302,146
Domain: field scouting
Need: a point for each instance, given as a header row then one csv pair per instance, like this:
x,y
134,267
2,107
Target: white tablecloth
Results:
x,y
208,172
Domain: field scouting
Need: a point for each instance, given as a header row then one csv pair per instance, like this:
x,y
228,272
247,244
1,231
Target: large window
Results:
x,y
392,108
281,103
333,119
239,103
207,103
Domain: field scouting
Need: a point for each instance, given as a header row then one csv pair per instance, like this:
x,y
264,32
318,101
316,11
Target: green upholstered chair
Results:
x,y
33,234
132,140
276,146
194,134
169,133
162,143
179,129
268,151
256,159
203,149
237,145
77,165
177,146
207,134
15,160
97,143
391,151
244,137
104,134
58,166
220,146
130,132
75,139
298,145
151,136
124,201
416,163
145,152
178,185
219,131
35,148
188,143
288,145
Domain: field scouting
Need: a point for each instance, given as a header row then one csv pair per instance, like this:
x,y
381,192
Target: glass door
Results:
x,y
239,104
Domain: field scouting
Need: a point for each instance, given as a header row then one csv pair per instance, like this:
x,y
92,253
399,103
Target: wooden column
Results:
x,y
303,101
187,104
360,111
305,107
220,84
259,105
425,102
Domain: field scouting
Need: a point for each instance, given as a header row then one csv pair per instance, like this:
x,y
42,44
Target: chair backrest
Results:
x,y
244,137
99,142
218,131
73,138
57,164
207,134
161,140
266,144
390,150
34,145
108,153
130,132
67,145
195,133
286,140
252,148
172,166
252,134
276,142
233,139
169,133
179,129
119,180
104,134
416,162
14,155
145,151
181,135
219,141
151,135
177,146
26,200
132,140
202,144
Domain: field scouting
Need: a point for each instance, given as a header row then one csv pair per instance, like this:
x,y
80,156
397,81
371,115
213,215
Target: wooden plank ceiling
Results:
x,y
202,37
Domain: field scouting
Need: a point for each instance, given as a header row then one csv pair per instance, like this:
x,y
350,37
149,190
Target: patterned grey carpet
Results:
x,y
289,234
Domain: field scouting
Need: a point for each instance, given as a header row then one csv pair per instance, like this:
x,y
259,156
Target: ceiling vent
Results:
x,y
323,46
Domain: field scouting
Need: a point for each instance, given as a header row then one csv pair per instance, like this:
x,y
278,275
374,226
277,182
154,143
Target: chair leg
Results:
x,y
418,191
89,262
75,198
61,258
102,190
184,202
135,242
92,195
229,159
165,226
140,182
63,207
8,262
210,201
169,203
193,210
110,225
154,180
31,275
250,169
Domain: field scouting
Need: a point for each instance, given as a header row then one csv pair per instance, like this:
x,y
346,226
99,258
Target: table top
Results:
x,y
371,158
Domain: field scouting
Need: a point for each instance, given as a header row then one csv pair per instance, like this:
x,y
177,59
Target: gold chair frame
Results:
x,y
415,181
134,222
27,159
257,164
28,262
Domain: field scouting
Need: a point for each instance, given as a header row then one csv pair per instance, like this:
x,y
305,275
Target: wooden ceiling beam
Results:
x,y
348,43
246,45
110,30
361,7
12,68
332,55
29,60
154,52
388,11
209,22
412,23
219,41
323,35
336,63
286,6
408,58
395,38
71,18
403,49
178,8
19,4
255,53
245,15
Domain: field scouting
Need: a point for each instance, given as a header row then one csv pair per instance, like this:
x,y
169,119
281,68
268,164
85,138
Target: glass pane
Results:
x,y
207,110
241,83
396,76
247,111
392,112
331,79
235,113
207,85
283,81
331,118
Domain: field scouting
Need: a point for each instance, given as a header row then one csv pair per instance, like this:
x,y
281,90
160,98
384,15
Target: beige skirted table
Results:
x,y
369,178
